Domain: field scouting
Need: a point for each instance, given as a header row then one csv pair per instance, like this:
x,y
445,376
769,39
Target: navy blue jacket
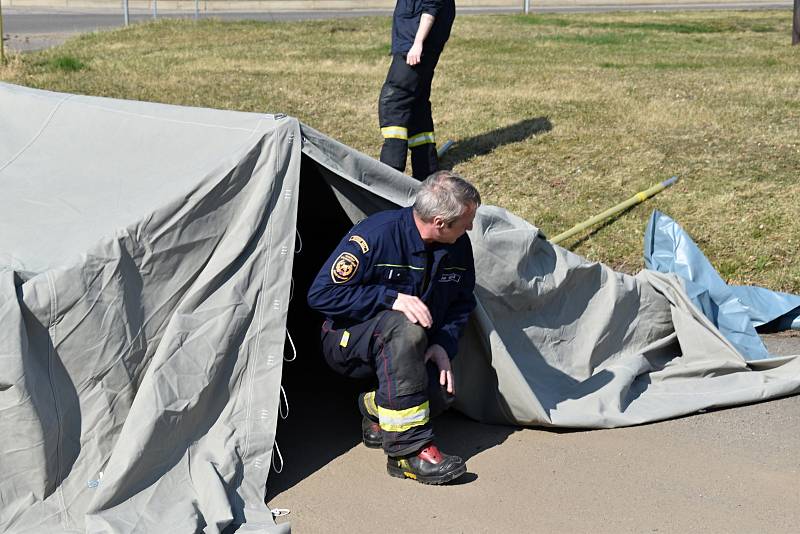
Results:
x,y
407,14
383,255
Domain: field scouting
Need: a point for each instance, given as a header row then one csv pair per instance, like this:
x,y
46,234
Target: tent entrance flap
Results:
x,y
323,420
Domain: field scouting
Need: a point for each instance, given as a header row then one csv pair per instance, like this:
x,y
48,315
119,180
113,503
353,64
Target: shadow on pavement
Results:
x,y
324,423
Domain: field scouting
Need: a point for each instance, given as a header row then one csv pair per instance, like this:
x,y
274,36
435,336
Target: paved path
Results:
x,y
721,471
36,28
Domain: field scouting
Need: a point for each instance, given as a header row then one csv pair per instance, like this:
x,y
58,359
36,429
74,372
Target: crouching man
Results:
x,y
397,292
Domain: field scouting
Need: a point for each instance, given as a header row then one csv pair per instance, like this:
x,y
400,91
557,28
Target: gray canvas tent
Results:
x,y
148,260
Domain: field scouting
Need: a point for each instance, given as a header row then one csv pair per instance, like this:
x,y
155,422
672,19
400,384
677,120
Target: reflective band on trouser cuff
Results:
x,y
422,139
402,420
394,132
369,403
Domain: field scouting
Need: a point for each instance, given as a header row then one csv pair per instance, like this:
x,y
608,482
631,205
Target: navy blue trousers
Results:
x,y
392,349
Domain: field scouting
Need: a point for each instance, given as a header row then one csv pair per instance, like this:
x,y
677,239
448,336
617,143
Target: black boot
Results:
x,y
371,433
428,466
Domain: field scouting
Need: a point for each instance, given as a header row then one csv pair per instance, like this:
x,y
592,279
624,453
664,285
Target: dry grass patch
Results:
x,y
557,117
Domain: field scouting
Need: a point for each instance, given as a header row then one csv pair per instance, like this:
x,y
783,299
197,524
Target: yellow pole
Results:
x,y
635,199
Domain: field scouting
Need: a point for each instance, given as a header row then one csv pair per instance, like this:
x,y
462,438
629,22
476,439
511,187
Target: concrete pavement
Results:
x,y
721,471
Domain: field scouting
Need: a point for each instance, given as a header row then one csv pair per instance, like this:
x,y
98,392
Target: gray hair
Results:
x,y
445,194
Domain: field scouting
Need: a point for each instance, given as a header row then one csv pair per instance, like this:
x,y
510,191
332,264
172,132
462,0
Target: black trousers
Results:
x,y
392,349
404,112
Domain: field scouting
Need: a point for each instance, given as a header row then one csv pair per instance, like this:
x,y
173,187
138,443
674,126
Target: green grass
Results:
x,y
64,64
556,117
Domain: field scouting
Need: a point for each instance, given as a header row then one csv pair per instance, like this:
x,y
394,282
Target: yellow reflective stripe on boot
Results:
x,y
369,404
402,420
394,132
421,139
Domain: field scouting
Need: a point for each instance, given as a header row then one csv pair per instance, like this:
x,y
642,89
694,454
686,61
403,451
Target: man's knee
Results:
x,y
395,326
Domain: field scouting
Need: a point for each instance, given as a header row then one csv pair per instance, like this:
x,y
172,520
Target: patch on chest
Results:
x,y
450,277
361,242
344,268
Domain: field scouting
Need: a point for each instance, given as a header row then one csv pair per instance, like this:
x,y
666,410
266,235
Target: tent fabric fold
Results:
x,y
146,260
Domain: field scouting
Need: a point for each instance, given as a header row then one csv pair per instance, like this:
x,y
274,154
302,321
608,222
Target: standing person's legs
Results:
x,y
395,103
421,136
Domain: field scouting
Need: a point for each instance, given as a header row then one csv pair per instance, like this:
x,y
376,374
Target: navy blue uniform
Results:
x,y
405,22
404,107
380,257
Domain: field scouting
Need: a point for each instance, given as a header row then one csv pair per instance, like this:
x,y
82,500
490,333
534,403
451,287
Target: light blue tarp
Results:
x,y
735,310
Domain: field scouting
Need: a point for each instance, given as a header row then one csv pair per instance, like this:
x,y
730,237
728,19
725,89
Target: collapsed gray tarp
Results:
x,y
147,254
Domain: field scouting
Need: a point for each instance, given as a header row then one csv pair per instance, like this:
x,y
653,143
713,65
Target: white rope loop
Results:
x,y
277,450
294,349
285,402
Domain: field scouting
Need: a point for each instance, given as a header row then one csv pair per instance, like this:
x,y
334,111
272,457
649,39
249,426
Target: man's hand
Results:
x,y
440,358
414,309
414,55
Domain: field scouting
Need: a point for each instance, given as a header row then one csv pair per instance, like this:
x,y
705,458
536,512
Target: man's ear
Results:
x,y
438,222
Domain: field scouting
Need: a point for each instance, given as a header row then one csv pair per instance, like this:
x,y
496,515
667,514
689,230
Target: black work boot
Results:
x,y
371,433
428,466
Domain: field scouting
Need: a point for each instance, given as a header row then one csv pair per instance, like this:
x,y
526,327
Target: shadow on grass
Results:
x,y
485,143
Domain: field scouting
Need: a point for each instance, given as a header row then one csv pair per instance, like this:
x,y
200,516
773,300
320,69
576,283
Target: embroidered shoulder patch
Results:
x,y
343,268
360,242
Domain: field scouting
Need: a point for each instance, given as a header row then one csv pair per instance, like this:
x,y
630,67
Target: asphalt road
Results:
x,y
36,28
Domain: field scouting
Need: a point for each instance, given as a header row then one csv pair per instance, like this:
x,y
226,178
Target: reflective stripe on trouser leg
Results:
x,y
368,408
395,132
407,430
402,420
421,139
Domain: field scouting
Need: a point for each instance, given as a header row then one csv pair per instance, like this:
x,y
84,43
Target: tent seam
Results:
x,y
51,355
38,134
266,270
